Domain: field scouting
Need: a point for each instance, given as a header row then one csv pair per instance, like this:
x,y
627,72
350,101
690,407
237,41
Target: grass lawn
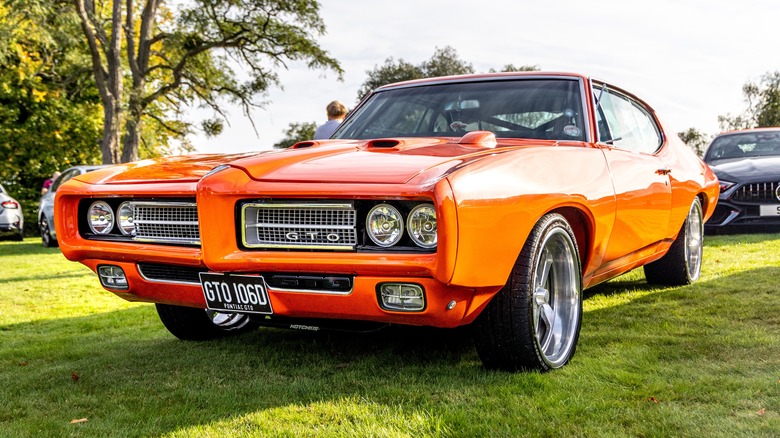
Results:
x,y
701,360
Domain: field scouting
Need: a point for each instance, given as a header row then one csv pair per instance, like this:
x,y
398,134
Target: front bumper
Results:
x,y
361,303
739,215
11,229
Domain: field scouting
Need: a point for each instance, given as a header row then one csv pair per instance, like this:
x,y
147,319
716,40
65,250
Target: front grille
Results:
x,y
299,225
756,193
170,273
166,222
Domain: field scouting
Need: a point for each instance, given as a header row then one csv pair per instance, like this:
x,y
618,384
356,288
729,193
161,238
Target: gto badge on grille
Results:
x,y
311,235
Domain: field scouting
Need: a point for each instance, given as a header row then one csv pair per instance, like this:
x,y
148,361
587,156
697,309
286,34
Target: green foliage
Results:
x,y
296,132
49,109
763,105
700,360
511,67
392,71
695,139
192,60
768,96
444,62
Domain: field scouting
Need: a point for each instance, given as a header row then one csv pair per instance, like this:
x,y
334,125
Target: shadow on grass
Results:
x,y
124,372
29,246
56,276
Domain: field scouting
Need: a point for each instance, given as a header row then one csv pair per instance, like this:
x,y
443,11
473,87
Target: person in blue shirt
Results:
x,y
336,112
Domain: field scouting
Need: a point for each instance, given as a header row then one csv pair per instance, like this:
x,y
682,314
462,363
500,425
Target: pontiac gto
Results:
x,y
488,200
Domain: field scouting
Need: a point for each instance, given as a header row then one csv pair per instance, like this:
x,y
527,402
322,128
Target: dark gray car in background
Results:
x,y
46,207
747,164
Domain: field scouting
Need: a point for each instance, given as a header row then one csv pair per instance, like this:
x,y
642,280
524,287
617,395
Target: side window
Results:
x,y
628,126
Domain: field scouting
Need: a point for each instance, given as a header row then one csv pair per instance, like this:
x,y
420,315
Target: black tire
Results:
x,y
542,299
192,324
47,239
682,264
19,237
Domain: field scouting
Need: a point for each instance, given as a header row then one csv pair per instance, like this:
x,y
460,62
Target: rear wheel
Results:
x,y
46,238
192,324
533,323
682,264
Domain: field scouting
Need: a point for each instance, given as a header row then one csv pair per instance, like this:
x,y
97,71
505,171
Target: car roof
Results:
x,y
750,130
483,77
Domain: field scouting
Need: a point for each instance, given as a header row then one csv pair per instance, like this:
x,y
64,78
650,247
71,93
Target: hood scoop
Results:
x,y
383,143
483,139
304,144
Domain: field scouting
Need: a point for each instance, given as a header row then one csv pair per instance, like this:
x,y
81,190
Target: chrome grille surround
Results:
x,y
757,193
166,222
299,225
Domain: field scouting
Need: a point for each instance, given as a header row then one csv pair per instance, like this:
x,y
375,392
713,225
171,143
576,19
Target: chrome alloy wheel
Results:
x,y
228,321
556,298
694,238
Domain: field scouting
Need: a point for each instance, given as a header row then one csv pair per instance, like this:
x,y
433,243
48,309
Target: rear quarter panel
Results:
x,y
690,176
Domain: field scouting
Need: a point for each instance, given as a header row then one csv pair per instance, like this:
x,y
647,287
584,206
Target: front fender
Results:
x,y
499,200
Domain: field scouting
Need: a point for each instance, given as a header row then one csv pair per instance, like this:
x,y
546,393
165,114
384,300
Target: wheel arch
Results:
x,y
582,225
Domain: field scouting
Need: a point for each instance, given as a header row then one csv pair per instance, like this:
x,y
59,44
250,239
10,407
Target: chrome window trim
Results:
x,y
650,112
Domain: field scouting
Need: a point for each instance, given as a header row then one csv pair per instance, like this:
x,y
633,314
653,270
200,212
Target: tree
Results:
x,y
297,132
49,108
169,62
444,62
388,73
763,105
768,100
695,139
512,67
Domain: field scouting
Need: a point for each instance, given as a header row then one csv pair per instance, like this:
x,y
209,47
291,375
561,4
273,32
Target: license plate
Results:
x,y
235,293
770,210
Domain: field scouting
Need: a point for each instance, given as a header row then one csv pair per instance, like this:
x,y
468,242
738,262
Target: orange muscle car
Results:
x,y
490,200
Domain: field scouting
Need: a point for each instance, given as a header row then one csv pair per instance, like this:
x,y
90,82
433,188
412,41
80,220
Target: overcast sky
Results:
x,y
688,58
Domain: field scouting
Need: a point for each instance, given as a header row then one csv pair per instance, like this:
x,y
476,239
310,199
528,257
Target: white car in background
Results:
x,y
11,216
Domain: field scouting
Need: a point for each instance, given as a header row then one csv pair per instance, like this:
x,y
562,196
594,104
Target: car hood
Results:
x,y
186,168
385,161
748,170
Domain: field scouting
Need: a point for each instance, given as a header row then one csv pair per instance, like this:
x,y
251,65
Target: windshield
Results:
x,y
748,144
527,108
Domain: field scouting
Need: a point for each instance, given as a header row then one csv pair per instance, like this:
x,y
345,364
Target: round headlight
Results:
x,y
100,218
126,219
421,225
385,225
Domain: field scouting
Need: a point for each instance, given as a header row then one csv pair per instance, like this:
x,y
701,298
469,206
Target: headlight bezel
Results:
x,y
411,221
397,231
105,228
119,219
